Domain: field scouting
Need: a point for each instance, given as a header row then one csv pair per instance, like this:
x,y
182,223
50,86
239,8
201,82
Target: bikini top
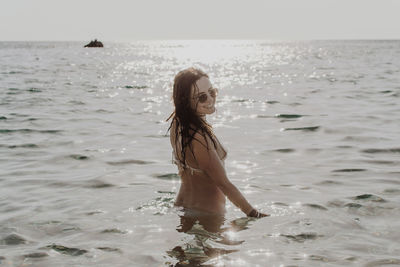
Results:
x,y
183,166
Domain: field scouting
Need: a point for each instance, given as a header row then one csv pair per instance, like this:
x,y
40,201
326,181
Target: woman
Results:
x,y
196,150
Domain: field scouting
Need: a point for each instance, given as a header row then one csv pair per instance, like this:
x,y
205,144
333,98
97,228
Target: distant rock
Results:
x,y
94,43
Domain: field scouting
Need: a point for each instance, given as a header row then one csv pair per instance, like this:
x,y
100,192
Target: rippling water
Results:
x,y
311,128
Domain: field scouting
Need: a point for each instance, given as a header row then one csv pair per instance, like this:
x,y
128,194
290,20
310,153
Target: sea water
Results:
x,y
312,133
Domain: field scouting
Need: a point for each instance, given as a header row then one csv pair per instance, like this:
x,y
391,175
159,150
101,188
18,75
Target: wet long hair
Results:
x,y
187,121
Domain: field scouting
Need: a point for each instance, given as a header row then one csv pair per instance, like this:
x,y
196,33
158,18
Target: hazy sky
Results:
x,y
129,20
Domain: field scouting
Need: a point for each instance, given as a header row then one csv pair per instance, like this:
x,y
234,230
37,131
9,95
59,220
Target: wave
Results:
x,y
306,129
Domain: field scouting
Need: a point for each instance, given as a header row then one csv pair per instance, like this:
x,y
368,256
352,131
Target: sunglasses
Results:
x,y
202,97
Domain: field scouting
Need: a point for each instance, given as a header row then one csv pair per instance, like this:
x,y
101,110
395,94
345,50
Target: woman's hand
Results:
x,y
255,214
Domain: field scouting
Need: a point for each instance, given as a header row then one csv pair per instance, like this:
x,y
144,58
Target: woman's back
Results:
x,y
198,190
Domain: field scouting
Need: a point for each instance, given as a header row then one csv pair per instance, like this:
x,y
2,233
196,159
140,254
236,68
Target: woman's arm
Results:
x,y
209,161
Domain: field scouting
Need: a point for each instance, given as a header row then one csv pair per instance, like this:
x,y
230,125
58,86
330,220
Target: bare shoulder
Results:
x,y
202,141
203,150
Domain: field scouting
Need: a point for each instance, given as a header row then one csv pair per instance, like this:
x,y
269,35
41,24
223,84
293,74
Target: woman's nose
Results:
x,y
210,99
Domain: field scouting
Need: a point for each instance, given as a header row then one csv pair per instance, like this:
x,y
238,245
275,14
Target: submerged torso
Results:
x,y
198,190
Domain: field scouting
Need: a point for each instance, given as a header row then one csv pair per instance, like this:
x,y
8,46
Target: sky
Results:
x,y
130,20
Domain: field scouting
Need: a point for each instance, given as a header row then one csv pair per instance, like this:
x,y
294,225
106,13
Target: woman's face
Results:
x,y
203,87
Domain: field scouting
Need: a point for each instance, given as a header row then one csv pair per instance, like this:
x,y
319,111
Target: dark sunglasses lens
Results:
x,y
202,98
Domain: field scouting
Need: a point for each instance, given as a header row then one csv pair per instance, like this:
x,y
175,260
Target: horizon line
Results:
x,y
211,39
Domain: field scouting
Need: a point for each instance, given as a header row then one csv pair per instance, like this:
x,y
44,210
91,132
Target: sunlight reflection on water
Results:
x,y
311,130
